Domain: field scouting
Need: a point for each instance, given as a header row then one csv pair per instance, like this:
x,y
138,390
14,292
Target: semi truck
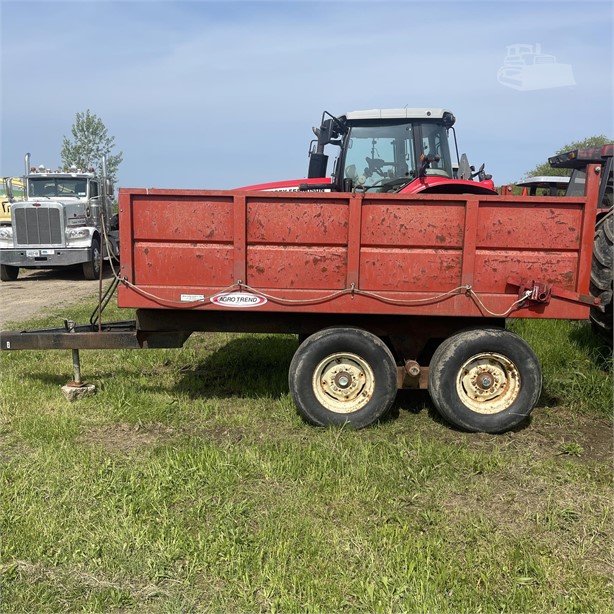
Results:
x,y
385,290
59,222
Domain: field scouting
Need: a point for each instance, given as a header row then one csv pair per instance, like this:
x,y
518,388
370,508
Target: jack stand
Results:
x,y
76,388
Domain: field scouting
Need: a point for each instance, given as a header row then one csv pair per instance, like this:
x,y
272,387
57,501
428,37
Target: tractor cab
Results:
x,y
393,150
577,160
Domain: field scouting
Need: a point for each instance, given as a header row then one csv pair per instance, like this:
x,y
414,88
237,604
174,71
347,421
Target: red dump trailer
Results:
x,y
385,291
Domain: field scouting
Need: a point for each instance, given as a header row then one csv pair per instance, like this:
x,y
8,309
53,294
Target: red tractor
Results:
x,y
602,270
577,161
388,150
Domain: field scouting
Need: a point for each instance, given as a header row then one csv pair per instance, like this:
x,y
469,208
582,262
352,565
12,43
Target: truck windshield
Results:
x,y
56,186
381,157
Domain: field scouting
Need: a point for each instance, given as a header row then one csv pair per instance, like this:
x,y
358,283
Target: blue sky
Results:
x,y
204,94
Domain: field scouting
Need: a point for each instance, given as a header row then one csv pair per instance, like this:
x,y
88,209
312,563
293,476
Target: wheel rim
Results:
x,y
343,383
488,383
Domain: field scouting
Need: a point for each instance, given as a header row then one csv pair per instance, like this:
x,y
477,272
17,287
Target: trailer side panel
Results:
x,y
446,255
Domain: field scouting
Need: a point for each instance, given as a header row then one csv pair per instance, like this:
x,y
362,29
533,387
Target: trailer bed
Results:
x,y
323,252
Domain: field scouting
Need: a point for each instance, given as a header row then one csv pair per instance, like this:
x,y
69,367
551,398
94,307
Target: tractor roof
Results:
x,y
404,113
579,158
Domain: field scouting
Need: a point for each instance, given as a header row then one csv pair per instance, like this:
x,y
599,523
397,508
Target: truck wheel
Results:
x,y
8,272
485,380
343,376
601,278
91,269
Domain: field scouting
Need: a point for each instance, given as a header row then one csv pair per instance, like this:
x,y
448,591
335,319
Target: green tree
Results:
x,y
545,169
91,141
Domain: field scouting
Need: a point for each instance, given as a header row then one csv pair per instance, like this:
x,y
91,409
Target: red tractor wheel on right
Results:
x,y
601,278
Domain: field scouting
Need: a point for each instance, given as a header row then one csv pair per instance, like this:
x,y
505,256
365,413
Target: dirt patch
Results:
x,y
40,291
561,432
125,437
552,432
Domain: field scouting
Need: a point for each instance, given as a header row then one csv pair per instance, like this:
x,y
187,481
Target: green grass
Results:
x,y
189,483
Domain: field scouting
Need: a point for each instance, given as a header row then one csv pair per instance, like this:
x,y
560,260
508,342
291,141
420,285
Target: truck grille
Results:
x,y
38,226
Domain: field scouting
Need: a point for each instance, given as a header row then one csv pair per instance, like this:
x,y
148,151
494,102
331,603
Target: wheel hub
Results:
x,y
343,382
485,381
488,383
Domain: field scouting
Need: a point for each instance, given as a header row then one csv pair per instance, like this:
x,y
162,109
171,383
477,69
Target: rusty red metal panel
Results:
x,y
494,267
176,265
530,225
283,266
410,270
300,221
413,223
178,217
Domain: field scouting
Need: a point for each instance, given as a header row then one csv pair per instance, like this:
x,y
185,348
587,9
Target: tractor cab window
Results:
x,y
435,143
380,157
577,183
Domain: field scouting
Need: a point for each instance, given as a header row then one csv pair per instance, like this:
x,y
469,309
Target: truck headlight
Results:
x,y
77,233
6,232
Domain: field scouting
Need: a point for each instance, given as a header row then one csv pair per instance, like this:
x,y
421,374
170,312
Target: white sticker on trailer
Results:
x,y
238,300
192,298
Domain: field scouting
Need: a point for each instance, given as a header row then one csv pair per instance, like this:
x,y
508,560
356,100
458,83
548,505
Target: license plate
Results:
x,y
46,252
33,253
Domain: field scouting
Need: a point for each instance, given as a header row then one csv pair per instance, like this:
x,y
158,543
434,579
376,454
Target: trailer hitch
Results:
x,y
535,291
540,292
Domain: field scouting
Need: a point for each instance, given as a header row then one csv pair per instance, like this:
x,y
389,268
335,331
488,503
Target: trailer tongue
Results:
x,y
387,291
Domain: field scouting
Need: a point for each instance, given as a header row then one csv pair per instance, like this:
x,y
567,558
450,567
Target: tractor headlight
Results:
x,y
6,232
77,233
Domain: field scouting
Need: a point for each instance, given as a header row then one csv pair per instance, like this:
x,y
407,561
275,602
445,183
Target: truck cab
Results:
x,y
60,222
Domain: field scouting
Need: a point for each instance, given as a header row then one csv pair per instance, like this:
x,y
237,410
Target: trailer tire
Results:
x,y
485,380
8,272
91,268
343,375
601,278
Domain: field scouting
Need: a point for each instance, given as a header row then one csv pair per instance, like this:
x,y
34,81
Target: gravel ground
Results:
x,y
38,291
